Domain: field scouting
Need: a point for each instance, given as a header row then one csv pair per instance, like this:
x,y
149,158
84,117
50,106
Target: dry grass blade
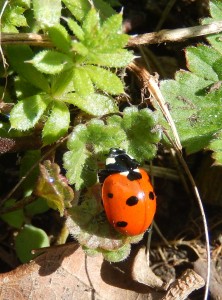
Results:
x,y
150,83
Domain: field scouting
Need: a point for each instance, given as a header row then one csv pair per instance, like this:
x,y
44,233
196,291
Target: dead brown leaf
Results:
x,y
65,272
142,273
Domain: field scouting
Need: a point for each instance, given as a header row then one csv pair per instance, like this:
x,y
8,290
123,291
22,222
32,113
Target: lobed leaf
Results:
x,y
13,16
142,136
27,112
104,8
201,60
216,146
79,165
118,132
119,59
105,80
60,38
91,23
93,104
62,83
78,8
18,57
118,255
51,62
76,29
80,49
216,13
215,9
195,109
53,187
43,12
82,83
57,124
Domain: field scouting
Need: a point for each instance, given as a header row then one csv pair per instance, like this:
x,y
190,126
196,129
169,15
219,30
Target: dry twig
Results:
x,y
181,288
163,36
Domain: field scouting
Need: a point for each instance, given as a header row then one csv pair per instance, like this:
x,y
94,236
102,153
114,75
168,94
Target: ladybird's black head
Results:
x,y
120,161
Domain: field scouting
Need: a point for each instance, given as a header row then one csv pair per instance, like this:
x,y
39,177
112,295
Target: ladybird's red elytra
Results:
x,y
127,194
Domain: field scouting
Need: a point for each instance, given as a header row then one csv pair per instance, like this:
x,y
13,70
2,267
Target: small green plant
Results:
x,y
194,97
71,91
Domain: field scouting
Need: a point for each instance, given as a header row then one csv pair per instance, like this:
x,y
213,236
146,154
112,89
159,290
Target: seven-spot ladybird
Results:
x,y
127,194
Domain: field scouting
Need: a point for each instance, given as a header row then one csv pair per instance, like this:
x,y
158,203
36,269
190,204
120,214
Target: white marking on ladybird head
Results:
x,y
124,173
110,160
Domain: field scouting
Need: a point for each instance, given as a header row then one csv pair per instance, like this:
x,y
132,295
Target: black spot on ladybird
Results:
x,y
121,224
151,195
134,175
110,195
131,201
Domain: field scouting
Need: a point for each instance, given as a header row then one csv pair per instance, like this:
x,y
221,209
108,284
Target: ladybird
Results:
x,y
127,194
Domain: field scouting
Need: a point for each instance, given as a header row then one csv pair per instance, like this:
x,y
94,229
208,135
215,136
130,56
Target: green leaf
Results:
x,y
94,104
82,82
112,26
200,61
60,38
15,218
116,60
104,8
27,112
18,57
29,238
24,3
217,68
53,187
79,164
76,29
47,13
133,132
96,134
88,224
13,16
111,44
23,89
79,48
62,83
79,8
216,146
216,13
51,62
39,206
215,9
142,136
91,23
27,161
118,255
105,80
57,124
194,108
